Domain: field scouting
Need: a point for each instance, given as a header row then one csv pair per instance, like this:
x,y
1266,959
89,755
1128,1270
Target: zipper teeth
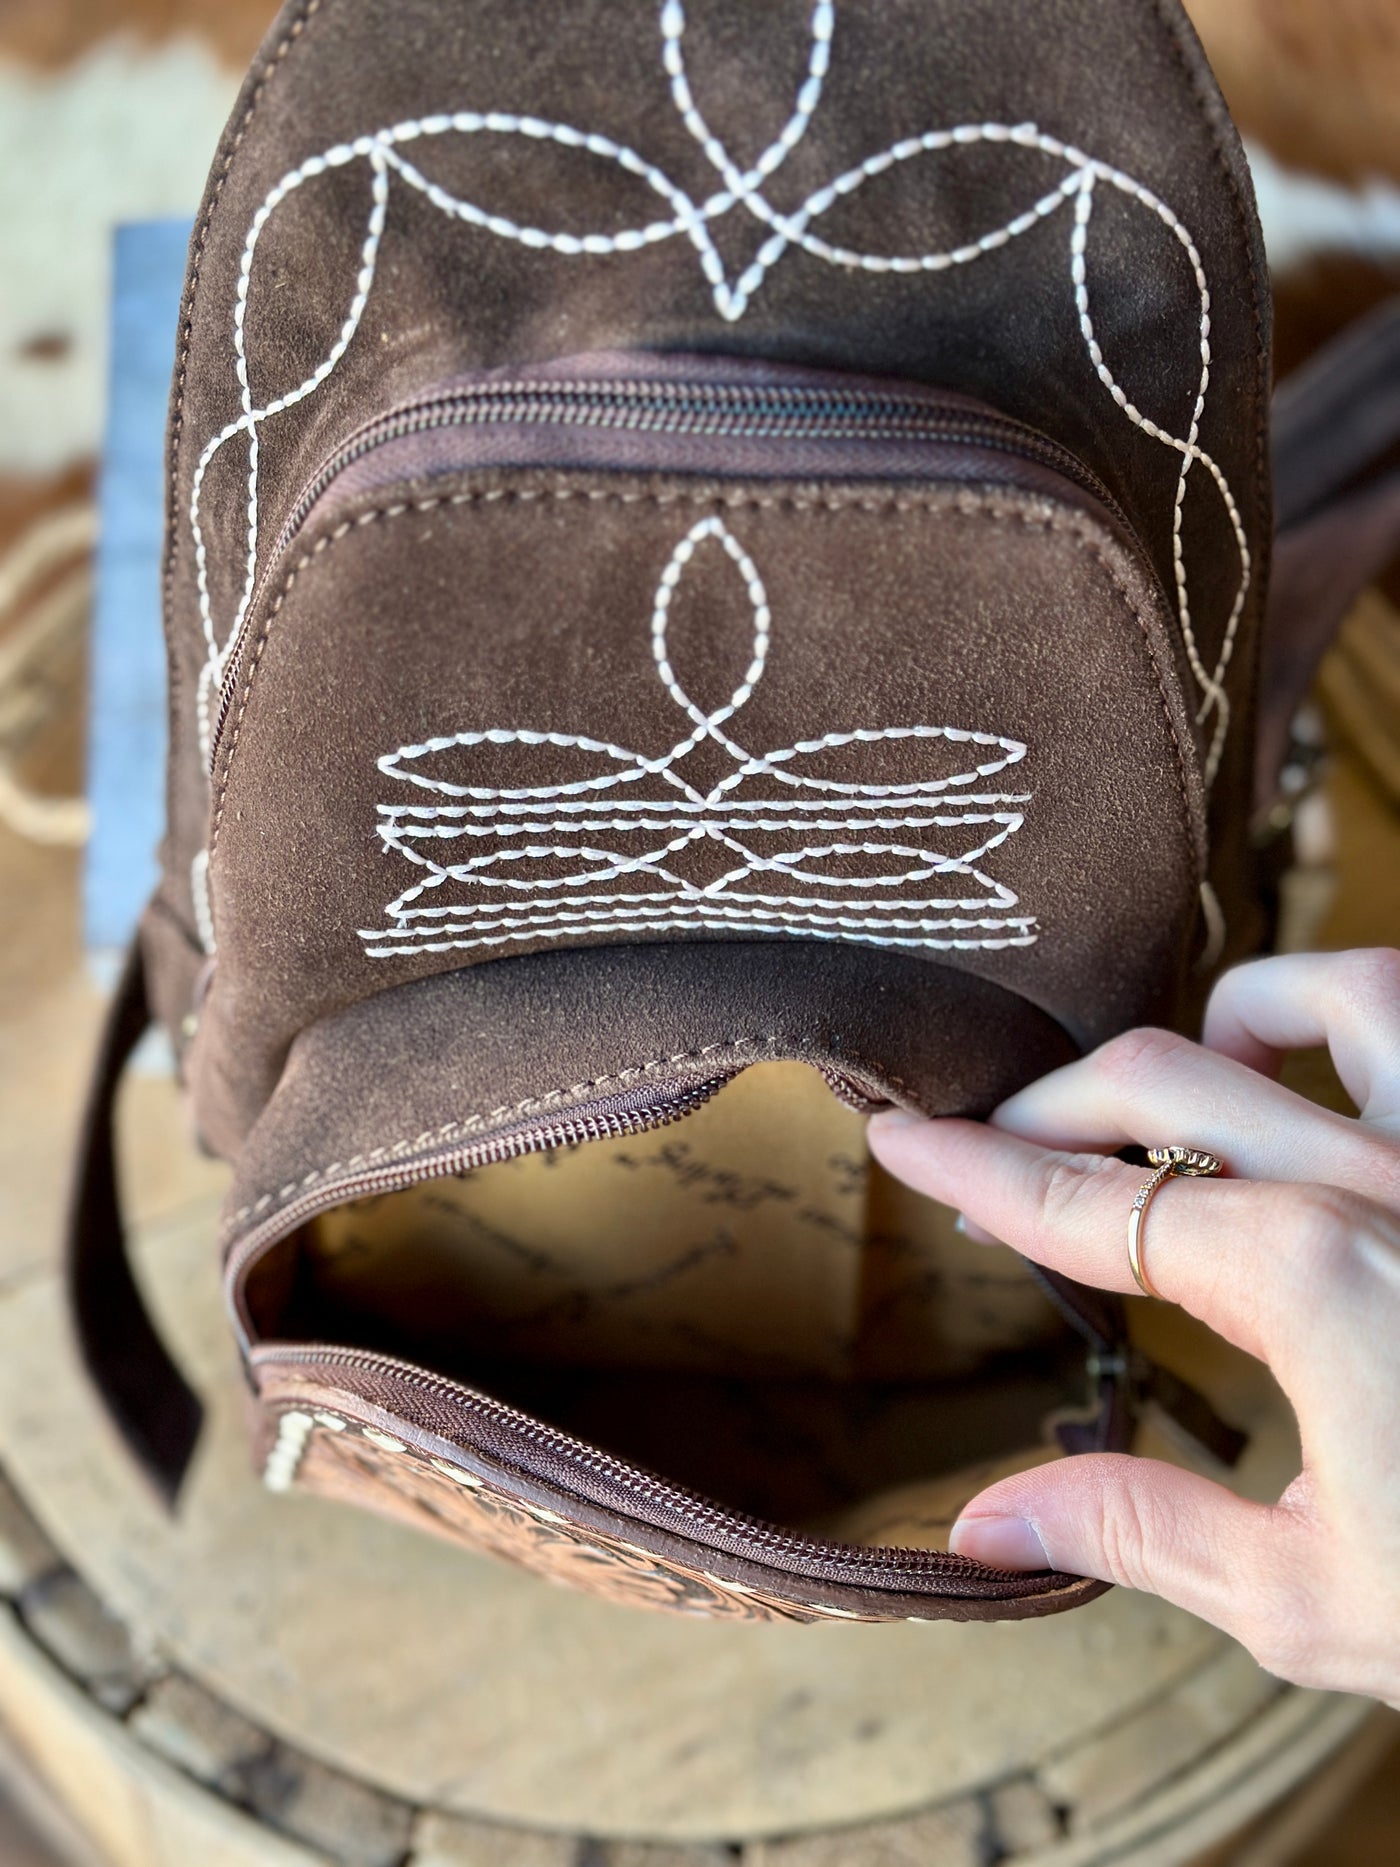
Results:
x,y
598,1124
688,1505
569,1131
737,409
717,408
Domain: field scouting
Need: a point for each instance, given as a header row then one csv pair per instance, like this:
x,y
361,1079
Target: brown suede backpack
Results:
x,y
715,577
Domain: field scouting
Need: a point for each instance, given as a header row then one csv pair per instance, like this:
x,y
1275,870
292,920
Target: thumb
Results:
x,y
1240,1565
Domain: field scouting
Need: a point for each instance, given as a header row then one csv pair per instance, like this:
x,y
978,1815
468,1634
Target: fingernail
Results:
x,y
1005,1114
1000,1542
899,1118
963,1225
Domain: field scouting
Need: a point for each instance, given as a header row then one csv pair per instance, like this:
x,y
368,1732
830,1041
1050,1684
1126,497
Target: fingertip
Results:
x,y
1226,1027
898,1125
895,1121
891,1133
999,1542
1012,1114
968,1228
900,1140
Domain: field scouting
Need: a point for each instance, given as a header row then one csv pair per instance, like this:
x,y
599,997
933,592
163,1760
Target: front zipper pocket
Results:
x,y
380,1434
695,649
700,418
480,1439
569,1464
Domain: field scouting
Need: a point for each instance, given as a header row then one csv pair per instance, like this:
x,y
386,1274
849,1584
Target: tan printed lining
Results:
x,y
743,1300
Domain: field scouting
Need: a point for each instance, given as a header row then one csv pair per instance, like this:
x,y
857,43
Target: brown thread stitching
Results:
x,y
472,1124
933,504
868,1063
1194,836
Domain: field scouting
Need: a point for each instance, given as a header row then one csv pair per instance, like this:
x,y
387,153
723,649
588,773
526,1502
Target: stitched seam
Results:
x,y
692,220
177,413
506,901
296,1428
473,1124
175,698
932,504
870,1063
1208,102
1210,106
1193,833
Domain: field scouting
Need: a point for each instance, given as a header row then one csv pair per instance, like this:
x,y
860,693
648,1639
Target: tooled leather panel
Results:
x,y
331,1434
480,1517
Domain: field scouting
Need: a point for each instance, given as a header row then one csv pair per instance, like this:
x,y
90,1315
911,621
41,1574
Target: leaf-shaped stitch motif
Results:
x,y
1074,180
792,852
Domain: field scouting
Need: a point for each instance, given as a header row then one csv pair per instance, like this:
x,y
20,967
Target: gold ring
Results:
x,y
1192,1162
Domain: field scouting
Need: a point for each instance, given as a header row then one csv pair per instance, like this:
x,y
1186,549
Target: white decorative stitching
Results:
x,y
385,1440
199,895
458,1474
691,219
1214,917
1210,684
875,907
293,1432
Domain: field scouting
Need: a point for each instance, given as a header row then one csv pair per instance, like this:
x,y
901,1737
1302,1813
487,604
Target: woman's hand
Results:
x,y
1294,1257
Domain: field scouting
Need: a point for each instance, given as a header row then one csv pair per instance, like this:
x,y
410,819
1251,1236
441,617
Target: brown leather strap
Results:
x,y
1124,1378
1098,1316
155,1410
1336,447
1336,420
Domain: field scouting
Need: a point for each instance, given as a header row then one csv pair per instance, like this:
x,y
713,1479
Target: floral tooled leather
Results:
x,y
341,1462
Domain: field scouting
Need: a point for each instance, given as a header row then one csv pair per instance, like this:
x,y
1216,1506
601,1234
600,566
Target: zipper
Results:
x,y
623,1485
634,1485
607,1119
639,406
740,410
663,408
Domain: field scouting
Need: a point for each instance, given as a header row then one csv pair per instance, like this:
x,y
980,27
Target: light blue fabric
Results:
x,y
126,733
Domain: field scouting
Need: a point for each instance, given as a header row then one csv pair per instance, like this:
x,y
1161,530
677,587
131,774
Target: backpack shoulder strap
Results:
x,y
150,1401
1336,445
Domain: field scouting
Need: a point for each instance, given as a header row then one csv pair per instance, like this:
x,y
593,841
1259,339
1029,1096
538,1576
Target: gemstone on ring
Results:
x,y
1188,1160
